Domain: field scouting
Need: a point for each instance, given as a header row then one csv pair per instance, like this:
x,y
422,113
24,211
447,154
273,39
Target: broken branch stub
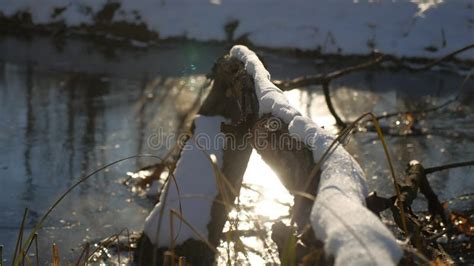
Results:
x,y
226,110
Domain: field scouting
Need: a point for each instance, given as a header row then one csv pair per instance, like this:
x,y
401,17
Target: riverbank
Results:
x,y
414,29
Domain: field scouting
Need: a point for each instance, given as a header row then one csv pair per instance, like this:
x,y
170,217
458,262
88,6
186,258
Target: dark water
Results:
x,y
65,111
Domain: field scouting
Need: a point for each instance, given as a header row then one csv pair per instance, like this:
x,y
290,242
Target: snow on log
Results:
x,y
271,99
339,217
194,177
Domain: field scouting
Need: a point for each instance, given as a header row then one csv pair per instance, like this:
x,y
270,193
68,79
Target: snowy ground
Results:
x,y
415,28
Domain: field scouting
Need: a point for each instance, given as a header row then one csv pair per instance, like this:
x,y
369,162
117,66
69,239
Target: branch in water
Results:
x,y
448,166
320,79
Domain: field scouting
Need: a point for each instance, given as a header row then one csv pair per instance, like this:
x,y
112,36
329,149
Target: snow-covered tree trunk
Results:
x,y
339,217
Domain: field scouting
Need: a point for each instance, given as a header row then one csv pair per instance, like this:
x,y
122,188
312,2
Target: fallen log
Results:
x,y
339,217
244,102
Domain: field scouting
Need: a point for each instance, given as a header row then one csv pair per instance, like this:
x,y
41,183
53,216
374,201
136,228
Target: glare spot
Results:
x,y
213,158
269,200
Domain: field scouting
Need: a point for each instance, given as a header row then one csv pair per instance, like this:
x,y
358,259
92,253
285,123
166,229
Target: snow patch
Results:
x,y
417,28
197,186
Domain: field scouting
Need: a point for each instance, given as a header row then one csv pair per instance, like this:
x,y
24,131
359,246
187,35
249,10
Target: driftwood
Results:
x,y
233,96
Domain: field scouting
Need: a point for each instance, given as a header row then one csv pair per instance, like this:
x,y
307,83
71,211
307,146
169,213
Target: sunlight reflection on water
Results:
x,y
312,105
264,199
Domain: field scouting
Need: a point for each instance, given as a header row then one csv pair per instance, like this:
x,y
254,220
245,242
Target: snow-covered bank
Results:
x,y
351,232
401,28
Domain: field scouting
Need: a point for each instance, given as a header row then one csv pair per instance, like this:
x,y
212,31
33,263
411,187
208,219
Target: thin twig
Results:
x,y
36,249
320,79
439,60
29,246
410,249
118,250
1,255
327,97
448,166
434,108
195,231
84,254
80,181
104,244
19,240
339,73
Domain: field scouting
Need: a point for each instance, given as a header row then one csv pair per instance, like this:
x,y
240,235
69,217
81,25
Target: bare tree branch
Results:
x,y
434,108
448,166
435,62
327,97
319,79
